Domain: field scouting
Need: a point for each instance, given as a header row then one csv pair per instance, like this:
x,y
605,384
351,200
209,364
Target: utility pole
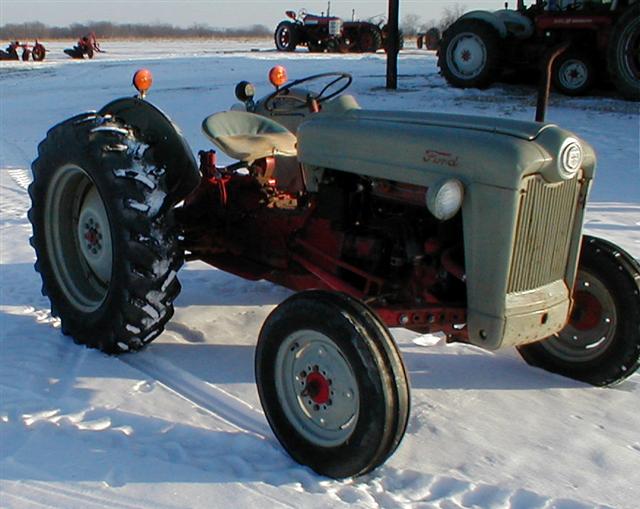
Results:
x,y
392,42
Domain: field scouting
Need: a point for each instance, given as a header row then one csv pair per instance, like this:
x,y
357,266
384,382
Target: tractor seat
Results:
x,y
246,136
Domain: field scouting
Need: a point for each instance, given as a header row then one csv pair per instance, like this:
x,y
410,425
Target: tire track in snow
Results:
x,y
20,176
54,496
206,396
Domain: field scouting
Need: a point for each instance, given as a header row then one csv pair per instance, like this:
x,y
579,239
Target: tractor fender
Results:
x,y
171,149
506,22
488,17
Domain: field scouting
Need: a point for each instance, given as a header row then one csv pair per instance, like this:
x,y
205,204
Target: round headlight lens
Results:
x,y
570,158
445,198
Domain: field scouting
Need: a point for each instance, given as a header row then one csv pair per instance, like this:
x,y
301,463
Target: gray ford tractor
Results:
x,y
466,226
602,39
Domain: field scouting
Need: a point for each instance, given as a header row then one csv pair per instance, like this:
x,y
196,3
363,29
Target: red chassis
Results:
x,y
300,249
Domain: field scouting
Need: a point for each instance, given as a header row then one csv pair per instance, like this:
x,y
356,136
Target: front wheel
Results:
x,y
573,73
103,233
601,343
332,383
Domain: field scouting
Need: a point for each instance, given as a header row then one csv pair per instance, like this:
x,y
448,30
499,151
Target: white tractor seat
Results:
x,y
246,136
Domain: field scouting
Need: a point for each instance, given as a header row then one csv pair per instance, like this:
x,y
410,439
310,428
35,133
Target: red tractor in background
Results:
x,y
328,33
603,39
87,45
36,52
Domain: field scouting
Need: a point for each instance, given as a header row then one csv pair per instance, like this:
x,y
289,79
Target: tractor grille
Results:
x,y
543,235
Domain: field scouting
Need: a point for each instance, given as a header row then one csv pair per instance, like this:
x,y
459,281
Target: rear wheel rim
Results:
x,y
78,236
630,51
467,55
317,388
592,325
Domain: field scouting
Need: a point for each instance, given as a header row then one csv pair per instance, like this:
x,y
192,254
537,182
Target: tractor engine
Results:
x,y
372,238
393,249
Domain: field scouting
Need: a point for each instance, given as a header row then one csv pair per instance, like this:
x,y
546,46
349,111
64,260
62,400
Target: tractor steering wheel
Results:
x,y
341,82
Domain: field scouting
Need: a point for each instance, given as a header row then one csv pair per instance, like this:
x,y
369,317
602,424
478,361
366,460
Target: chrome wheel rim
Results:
x,y
78,237
317,388
592,325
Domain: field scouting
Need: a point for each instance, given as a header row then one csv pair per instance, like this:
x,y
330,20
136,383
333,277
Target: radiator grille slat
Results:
x,y
543,236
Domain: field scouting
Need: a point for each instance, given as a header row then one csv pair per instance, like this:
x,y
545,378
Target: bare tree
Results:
x,y
449,15
410,24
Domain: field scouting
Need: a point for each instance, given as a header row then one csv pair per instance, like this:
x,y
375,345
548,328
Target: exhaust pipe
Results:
x,y
545,81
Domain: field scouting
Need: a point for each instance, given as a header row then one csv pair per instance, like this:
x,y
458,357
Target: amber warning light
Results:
x,y
278,76
142,80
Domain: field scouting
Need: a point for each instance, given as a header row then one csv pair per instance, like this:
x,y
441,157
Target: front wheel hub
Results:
x,y
317,388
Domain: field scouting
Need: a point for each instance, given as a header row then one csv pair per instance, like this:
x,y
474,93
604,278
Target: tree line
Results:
x,y
107,30
412,24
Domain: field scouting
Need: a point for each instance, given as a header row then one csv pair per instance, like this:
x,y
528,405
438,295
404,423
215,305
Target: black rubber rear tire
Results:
x,y
470,55
623,57
369,40
573,73
361,363
39,52
104,234
601,344
286,36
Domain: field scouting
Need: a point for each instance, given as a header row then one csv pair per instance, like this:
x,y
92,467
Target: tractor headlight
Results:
x,y
570,158
444,199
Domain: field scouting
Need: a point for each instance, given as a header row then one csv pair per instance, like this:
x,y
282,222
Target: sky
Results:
x,y
216,13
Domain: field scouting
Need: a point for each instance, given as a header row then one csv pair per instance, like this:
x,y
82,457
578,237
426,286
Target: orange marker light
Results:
x,y
142,80
278,76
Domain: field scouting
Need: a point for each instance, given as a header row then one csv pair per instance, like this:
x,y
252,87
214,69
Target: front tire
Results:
x,y
573,73
103,234
624,54
332,383
286,36
469,54
601,343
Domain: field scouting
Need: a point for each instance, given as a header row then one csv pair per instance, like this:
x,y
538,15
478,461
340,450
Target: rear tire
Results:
x,y
624,54
369,40
332,383
103,234
38,53
601,343
470,55
286,36
573,73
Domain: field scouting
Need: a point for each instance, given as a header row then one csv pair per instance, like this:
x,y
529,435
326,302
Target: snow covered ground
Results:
x,y
180,425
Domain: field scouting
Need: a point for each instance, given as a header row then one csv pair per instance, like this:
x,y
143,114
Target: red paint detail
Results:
x,y
91,236
317,387
586,312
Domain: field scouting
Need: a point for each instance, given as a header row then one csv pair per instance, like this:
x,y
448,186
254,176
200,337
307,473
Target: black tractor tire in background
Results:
x,y
601,343
38,53
316,46
332,383
623,56
369,40
103,233
470,54
286,36
573,73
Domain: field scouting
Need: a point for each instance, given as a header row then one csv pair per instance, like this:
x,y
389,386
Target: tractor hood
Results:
x,y
419,148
